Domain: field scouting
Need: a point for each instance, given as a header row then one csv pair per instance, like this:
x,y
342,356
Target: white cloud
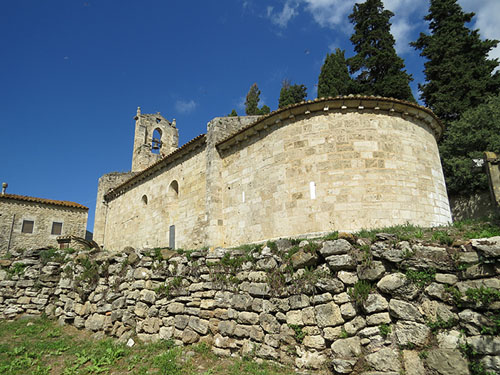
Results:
x,y
333,46
408,15
401,30
241,103
407,20
282,18
269,11
330,13
184,106
486,20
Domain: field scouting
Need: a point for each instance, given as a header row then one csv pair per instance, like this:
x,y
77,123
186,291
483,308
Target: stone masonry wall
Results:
x,y
478,205
106,182
218,129
355,306
340,171
344,164
43,215
132,221
145,126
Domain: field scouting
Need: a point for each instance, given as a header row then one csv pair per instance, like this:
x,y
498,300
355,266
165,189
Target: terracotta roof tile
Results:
x,y
42,200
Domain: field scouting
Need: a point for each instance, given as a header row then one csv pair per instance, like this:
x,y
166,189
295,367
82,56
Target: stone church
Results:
x,y
343,163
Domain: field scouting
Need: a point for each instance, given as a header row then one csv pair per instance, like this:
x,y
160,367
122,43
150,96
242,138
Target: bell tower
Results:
x,y
155,137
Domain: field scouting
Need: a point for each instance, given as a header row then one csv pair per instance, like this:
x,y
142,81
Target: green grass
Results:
x,y
360,291
38,346
421,278
444,235
384,329
299,333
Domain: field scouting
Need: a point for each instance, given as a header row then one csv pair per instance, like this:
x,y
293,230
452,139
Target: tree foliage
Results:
x,y
478,130
380,71
233,113
252,102
334,78
458,72
264,110
291,94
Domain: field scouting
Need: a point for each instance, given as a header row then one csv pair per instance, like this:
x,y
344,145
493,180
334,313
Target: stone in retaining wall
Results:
x,y
383,307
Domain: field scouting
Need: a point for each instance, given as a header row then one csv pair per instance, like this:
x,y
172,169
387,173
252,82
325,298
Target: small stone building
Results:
x,y
29,222
344,163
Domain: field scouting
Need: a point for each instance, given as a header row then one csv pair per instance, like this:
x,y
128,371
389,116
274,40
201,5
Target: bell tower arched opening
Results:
x,y
156,142
155,137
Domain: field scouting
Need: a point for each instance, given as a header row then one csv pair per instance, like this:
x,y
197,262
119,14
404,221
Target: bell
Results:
x,y
156,144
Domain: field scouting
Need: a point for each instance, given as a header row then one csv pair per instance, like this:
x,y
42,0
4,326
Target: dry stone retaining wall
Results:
x,y
354,306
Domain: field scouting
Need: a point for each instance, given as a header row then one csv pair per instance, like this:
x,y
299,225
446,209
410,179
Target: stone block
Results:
x,y
248,317
375,303
294,317
328,315
336,247
346,348
411,333
404,311
447,362
384,360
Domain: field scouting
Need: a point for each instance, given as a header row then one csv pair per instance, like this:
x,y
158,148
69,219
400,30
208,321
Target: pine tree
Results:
x,y
291,94
334,78
458,72
381,70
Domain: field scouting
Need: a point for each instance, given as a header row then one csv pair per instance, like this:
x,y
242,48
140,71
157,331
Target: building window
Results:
x,y
173,189
27,226
56,228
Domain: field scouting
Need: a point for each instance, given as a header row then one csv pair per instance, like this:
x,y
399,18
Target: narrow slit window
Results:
x,y
173,189
56,228
27,226
312,189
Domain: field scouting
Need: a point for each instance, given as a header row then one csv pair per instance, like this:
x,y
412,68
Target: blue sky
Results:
x,y
73,72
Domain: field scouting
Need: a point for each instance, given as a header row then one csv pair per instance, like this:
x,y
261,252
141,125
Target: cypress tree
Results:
x,y
459,75
381,70
252,101
334,78
291,94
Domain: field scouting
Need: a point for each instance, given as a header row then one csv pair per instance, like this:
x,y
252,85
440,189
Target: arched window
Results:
x,y
144,199
156,141
173,189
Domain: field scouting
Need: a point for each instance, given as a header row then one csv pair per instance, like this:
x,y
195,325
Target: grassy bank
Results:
x,y
38,346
